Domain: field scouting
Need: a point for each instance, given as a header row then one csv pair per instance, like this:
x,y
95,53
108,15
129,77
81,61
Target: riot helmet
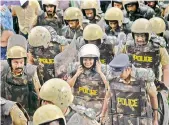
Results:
x,y
93,33
47,114
114,14
89,5
158,25
16,48
89,51
39,36
73,14
58,92
142,26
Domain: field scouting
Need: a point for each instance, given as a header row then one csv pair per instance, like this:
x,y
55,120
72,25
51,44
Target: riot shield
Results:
x,y
121,42
17,40
163,109
62,60
102,23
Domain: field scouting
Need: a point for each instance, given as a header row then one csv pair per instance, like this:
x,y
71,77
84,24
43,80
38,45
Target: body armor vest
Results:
x,y
46,57
89,91
55,23
20,89
106,54
129,104
145,57
69,33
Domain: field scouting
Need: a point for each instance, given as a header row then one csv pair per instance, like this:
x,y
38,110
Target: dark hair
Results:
x,y
94,10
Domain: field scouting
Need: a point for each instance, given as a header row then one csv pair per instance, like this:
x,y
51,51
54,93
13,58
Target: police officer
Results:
x,y
44,47
116,3
73,17
154,5
159,28
90,10
93,34
19,80
88,79
134,11
116,22
58,92
149,51
126,105
49,16
48,115
12,113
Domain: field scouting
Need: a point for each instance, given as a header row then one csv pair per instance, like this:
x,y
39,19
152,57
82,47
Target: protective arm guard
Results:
x,y
157,41
144,74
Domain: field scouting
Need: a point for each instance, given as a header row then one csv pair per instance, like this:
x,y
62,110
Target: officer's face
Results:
x,y
89,14
88,62
151,3
17,65
113,24
73,24
131,8
50,9
140,38
126,73
118,5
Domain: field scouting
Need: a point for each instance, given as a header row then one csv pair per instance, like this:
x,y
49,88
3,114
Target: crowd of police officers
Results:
x,y
90,63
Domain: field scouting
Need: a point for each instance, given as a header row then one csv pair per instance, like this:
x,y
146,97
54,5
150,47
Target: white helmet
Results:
x,y
52,2
89,50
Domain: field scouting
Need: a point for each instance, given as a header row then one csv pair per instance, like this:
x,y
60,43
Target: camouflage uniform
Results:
x,y
69,33
55,22
19,89
72,13
6,108
89,89
44,57
147,56
126,106
121,111
156,9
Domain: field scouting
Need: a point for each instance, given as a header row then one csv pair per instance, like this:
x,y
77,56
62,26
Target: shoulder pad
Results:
x,y
144,74
158,41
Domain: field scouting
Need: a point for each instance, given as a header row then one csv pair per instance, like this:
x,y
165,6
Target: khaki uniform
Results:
x,y
27,17
13,113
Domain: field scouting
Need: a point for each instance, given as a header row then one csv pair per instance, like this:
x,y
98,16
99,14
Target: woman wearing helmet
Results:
x,y
88,80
